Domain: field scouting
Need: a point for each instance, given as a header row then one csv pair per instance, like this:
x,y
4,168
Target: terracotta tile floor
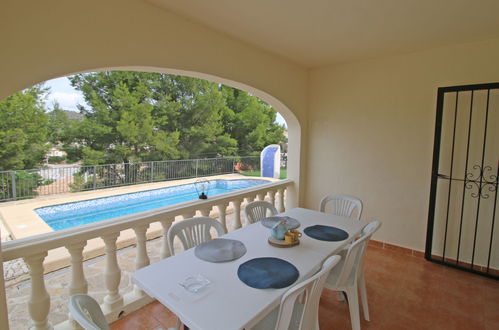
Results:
x,y
405,292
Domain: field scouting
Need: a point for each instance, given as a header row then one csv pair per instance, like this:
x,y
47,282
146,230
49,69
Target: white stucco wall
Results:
x,y
363,128
371,128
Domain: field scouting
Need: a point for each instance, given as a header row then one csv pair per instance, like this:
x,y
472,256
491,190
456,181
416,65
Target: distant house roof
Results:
x,y
72,115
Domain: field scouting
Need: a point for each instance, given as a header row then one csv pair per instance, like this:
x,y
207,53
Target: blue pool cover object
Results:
x,y
267,273
268,161
69,215
326,233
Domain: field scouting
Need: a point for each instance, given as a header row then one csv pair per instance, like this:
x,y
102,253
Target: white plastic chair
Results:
x,y
193,231
293,315
368,231
343,205
87,312
259,210
348,276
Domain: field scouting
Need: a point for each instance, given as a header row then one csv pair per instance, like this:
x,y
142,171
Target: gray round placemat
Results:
x,y
291,223
220,250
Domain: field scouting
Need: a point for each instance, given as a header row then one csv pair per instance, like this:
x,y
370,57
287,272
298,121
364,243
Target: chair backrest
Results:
x,y
87,312
343,205
312,287
193,231
354,258
368,231
258,210
371,228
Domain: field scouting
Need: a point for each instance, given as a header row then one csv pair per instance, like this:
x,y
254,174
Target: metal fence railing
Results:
x,y
23,184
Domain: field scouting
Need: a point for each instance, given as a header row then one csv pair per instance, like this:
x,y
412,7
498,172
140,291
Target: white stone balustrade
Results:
x,y
222,213
236,205
39,302
142,259
272,196
4,318
113,300
165,250
34,250
78,282
205,212
281,199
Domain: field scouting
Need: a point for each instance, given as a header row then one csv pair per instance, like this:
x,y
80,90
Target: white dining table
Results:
x,y
227,303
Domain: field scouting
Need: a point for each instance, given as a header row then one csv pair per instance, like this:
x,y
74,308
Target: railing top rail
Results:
x,y
164,161
35,244
129,163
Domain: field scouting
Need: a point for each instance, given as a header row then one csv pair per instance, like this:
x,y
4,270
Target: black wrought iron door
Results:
x,y
463,230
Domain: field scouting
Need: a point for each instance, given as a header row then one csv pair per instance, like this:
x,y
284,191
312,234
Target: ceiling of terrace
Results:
x,y
321,32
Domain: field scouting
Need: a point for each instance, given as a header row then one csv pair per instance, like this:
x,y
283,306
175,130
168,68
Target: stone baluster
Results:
x,y
112,273
78,281
281,200
165,250
250,198
261,196
39,301
142,259
4,318
236,204
205,212
222,211
189,214
272,196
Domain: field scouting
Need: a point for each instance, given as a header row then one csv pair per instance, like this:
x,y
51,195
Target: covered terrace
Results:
x,y
357,82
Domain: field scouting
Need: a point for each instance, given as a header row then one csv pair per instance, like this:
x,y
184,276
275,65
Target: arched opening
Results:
x,y
293,127
79,179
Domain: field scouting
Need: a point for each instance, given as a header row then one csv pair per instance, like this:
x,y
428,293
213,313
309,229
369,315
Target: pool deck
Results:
x,y
21,221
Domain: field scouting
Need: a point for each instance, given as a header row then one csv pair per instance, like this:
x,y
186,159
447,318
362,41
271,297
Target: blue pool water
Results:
x,y
69,215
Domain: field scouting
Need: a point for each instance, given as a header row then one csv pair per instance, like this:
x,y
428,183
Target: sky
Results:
x,y
62,92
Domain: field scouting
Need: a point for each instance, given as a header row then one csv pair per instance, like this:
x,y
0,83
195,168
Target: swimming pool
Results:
x,y
69,215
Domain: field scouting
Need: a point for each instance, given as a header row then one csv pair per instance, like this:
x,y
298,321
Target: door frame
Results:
x,y
435,175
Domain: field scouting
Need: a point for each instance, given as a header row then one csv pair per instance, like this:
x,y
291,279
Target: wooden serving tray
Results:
x,y
281,243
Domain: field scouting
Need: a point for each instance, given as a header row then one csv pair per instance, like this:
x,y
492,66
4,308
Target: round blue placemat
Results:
x,y
267,272
326,233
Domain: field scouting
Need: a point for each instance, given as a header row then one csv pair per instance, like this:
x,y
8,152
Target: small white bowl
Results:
x,y
195,283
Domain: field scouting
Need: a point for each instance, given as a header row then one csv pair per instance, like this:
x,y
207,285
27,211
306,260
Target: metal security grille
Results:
x,y
462,222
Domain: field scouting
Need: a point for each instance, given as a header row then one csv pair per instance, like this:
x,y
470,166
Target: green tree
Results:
x,y
251,121
119,125
59,125
194,107
135,116
23,129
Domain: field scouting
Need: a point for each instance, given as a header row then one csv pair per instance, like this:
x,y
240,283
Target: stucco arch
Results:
x,y
294,129
48,39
